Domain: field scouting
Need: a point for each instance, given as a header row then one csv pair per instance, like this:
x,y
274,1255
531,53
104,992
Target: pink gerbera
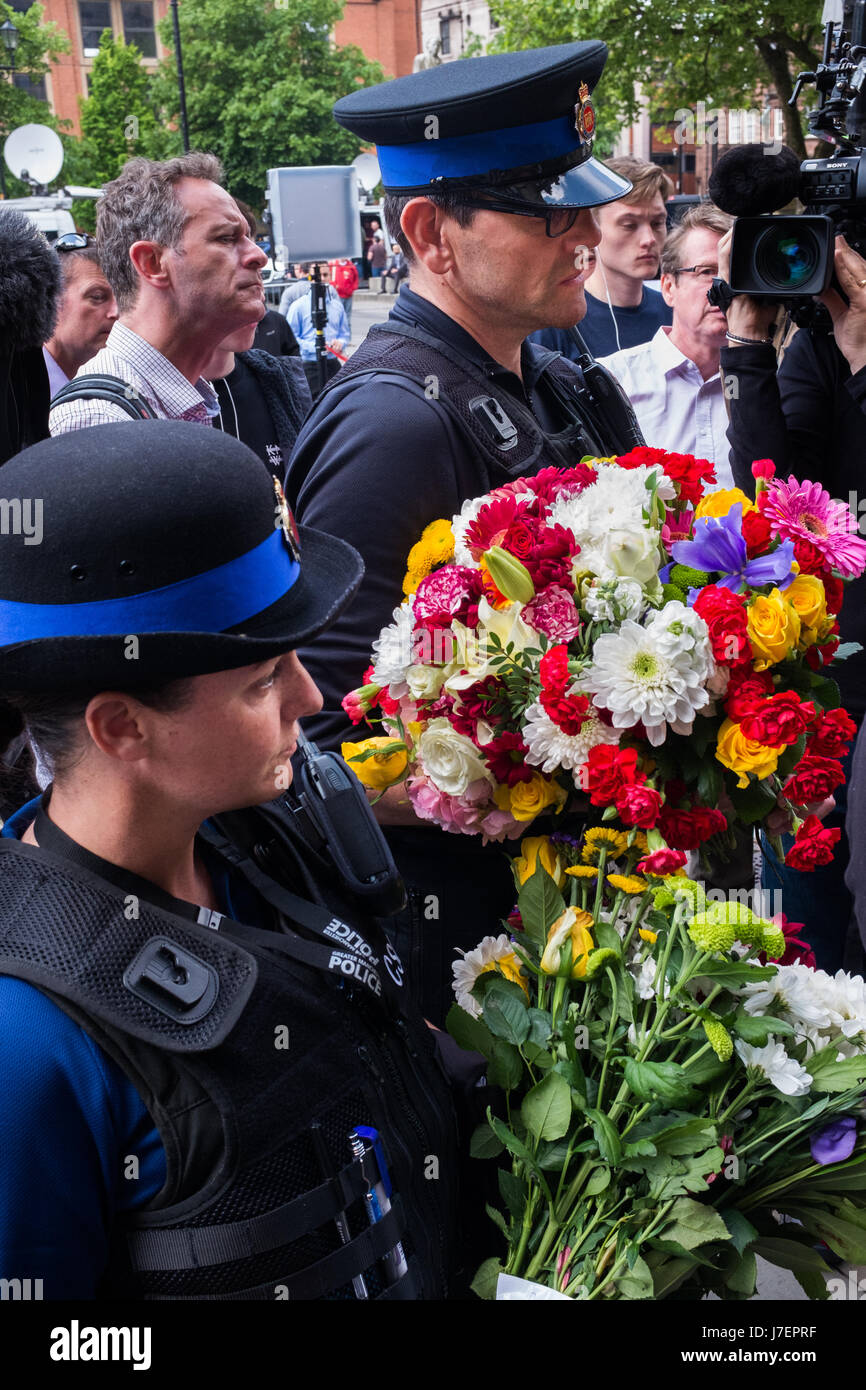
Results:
x,y
804,511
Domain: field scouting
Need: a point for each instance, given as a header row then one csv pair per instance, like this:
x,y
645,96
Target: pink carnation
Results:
x,y
554,613
448,593
473,813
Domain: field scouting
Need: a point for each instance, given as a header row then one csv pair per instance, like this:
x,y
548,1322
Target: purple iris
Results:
x,y
719,547
835,1141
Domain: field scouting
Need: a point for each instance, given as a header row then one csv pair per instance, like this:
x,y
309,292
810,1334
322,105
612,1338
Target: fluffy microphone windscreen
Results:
x,y
748,180
29,283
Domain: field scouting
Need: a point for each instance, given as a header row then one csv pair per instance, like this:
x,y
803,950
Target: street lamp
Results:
x,y
184,125
10,43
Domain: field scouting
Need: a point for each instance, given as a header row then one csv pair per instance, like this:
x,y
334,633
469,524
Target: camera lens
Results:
x,y
786,259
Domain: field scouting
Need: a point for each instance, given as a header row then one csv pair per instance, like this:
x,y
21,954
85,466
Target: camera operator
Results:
x,y
809,417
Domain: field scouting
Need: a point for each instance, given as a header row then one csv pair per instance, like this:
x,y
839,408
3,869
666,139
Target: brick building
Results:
x,y
386,31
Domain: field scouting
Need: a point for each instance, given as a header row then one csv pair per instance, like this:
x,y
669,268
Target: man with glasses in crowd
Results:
x,y
674,381
490,185
85,314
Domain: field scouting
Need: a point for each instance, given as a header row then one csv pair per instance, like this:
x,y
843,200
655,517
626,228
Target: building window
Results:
x,y
95,16
138,26
445,37
34,86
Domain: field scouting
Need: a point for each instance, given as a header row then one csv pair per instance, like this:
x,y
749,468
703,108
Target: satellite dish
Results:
x,y
34,153
367,168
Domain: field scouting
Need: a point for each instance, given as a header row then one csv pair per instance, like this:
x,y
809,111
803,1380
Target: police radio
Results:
x,y
328,799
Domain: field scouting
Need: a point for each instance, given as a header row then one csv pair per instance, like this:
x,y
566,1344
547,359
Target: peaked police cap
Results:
x,y
160,531
518,123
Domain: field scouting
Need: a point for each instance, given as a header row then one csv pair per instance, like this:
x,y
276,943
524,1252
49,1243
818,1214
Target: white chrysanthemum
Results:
x,y
392,650
551,747
615,501
463,520
680,631
845,998
782,1071
643,979
636,680
796,988
613,600
473,964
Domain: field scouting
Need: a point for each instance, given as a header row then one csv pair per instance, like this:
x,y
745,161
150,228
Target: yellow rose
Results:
x,y
743,755
383,769
526,800
535,850
774,628
719,503
572,925
807,597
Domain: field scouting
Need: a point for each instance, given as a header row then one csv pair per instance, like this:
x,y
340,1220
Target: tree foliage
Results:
x,y
39,46
117,119
680,51
261,80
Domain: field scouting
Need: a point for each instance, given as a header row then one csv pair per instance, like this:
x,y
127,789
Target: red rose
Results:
x,y
756,533
725,617
809,557
814,779
639,804
780,719
607,770
812,846
748,693
661,862
832,734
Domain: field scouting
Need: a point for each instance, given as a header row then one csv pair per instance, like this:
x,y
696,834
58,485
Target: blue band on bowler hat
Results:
x,y
460,156
210,602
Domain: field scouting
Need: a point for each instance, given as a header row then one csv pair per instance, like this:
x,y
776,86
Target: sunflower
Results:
x,y
627,883
602,837
639,842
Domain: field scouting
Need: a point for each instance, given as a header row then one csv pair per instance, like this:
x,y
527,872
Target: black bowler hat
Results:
x,y
517,123
168,533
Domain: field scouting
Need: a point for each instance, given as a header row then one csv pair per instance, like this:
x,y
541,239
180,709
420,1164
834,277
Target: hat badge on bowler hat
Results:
x,y
521,124
167,531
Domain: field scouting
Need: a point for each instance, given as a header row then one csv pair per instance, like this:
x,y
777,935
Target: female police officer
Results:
x,y
212,1085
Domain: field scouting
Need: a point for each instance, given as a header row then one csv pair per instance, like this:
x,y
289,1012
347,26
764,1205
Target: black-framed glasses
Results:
x,y
703,272
74,241
557,221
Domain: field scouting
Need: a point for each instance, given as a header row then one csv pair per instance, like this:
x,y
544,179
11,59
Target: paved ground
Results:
x,y
368,307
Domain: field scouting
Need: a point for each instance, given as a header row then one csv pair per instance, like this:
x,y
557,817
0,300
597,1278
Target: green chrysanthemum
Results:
x,y
687,578
664,897
773,941
673,593
748,927
719,1039
688,891
598,959
711,935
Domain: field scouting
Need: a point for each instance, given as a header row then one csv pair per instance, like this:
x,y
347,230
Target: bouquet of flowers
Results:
x,y
675,1104
612,629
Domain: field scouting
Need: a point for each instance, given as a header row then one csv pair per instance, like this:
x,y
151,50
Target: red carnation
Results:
x,y
747,692
639,804
689,829
780,719
493,521
550,483
687,472
475,703
833,732
810,559
814,779
813,846
553,668
757,532
764,469
607,770
725,616
661,862
568,712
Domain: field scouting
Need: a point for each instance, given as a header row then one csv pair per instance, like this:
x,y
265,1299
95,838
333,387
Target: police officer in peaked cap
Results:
x,y
214,1086
490,184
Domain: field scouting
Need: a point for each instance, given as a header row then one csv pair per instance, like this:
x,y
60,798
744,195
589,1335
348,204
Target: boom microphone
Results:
x,y
748,181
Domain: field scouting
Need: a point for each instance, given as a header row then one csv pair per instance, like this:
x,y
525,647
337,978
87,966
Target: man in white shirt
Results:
x,y
674,382
86,311
175,248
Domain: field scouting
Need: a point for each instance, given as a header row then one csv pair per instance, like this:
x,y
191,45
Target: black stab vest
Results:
x,y
250,1208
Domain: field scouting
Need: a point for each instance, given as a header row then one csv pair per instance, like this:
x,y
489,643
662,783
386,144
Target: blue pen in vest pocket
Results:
x,y
377,1201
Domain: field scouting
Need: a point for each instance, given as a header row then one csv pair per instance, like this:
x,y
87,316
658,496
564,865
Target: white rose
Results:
x,y
450,760
632,554
425,682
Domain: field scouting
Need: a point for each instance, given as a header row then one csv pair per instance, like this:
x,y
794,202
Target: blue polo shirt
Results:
x,y
77,1145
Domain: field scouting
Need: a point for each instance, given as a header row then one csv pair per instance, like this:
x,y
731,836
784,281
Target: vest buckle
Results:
x,y
493,420
178,984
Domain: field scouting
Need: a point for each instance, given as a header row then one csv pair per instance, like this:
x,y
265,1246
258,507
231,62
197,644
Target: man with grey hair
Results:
x,y
674,381
176,250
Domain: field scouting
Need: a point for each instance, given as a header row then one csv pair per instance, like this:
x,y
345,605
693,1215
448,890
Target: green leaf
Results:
x,y
667,1273
608,937
637,1283
551,1157
497,1218
706,1070
710,783
540,903
513,1192
744,1275
829,1075
813,1284
573,1073
790,1253
665,1081
753,802
539,1027
676,1132
741,1229
844,1237
737,972
756,1030
484,1143
506,1065
599,1179
468,1032
546,1109
517,1147
826,692
694,1223
606,1136
641,1148
486,1279
504,1012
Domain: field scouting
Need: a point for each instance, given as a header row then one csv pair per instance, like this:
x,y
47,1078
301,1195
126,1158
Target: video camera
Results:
x,y
786,260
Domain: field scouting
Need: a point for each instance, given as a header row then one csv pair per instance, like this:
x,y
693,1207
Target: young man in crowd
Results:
x,y
621,311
